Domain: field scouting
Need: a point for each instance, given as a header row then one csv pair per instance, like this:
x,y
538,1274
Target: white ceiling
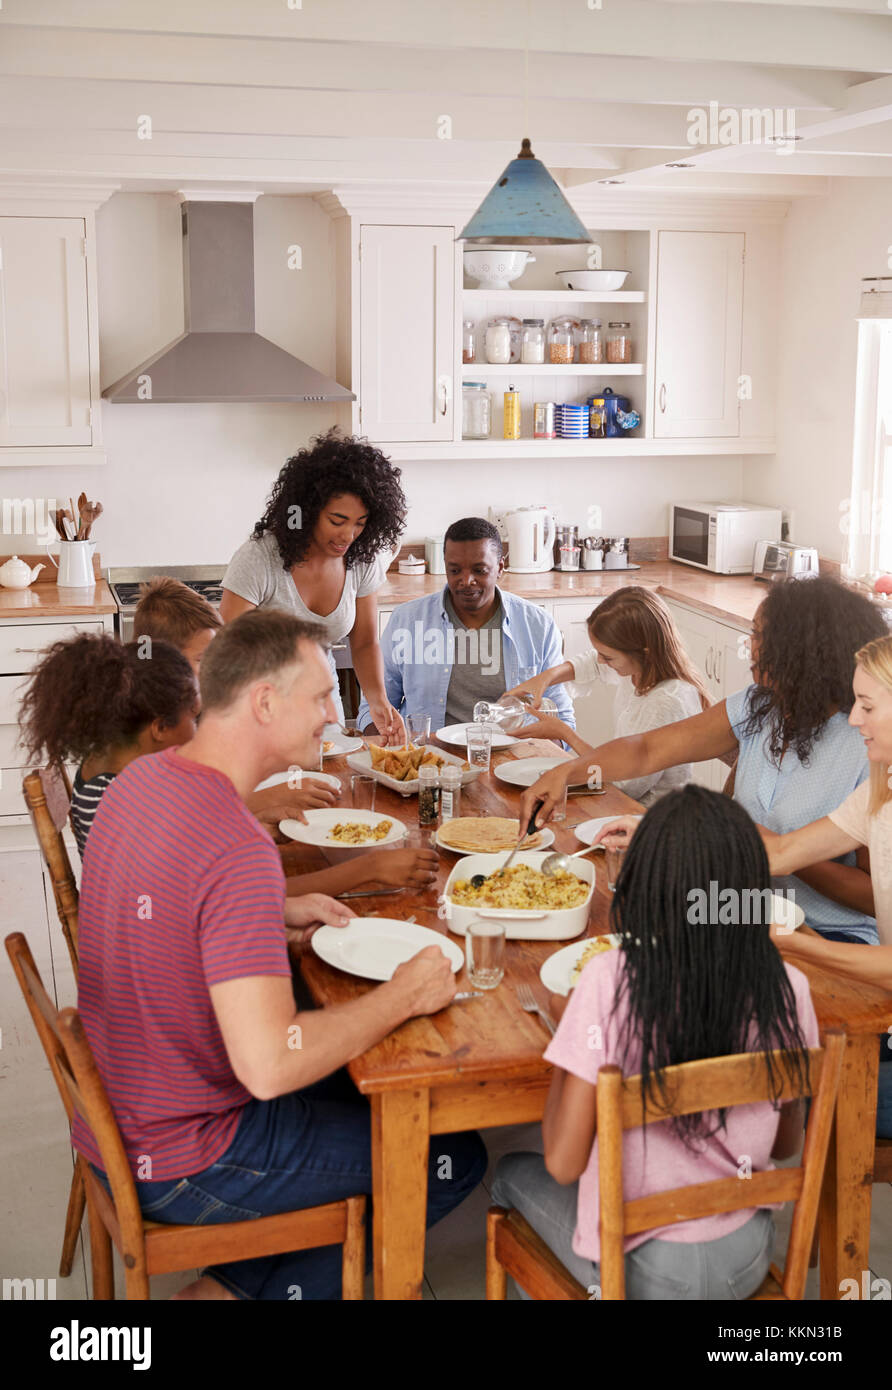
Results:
x,y
290,95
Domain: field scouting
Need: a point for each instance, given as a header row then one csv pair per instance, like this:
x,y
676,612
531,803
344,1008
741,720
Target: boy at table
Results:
x,y
231,1103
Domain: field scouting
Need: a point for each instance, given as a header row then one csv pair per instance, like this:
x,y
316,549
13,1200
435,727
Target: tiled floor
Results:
x,y
35,1156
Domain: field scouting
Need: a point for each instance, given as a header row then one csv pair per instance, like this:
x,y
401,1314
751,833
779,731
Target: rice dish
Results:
x,y
357,833
525,888
593,948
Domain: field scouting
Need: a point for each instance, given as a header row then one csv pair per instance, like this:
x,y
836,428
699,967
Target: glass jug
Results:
x,y
511,712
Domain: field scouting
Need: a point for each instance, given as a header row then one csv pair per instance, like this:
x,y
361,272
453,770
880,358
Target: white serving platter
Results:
x,y
542,924
362,762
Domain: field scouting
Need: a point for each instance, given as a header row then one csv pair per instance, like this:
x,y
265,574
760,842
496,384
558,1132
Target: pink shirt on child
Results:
x,y
666,1162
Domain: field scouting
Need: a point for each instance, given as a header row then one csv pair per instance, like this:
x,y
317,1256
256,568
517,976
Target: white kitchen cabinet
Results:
x,y
45,370
594,711
699,318
21,645
722,655
407,333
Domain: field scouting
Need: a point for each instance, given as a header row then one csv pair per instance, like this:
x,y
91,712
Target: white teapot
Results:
x,y
15,574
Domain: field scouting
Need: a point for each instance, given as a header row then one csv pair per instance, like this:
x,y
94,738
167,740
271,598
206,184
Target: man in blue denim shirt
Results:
x,y
472,641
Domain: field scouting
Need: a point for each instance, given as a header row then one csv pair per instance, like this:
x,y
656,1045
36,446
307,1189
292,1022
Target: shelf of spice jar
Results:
x,y
554,296
474,370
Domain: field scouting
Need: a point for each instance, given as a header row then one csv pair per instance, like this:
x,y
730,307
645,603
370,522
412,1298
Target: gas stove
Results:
x,y
125,585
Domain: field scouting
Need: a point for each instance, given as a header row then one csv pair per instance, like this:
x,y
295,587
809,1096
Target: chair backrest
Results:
x,y
74,1068
703,1086
48,798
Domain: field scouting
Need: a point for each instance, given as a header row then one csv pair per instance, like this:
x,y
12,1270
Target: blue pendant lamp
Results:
x,y
524,207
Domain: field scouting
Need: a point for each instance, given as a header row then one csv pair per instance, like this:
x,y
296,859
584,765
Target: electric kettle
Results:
x,y
530,533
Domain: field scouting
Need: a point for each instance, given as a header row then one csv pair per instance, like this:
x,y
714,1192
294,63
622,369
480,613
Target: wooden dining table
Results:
x,y
478,1064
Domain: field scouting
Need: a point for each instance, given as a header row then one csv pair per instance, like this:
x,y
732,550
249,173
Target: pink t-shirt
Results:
x,y
182,889
666,1162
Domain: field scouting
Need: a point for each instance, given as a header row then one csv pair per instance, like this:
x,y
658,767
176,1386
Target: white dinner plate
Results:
x,y
587,831
319,825
373,947
457,734
279,777
342,744
523,772
557,970
546,840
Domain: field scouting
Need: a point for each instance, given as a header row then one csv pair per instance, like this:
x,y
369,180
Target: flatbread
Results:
x,y
484,834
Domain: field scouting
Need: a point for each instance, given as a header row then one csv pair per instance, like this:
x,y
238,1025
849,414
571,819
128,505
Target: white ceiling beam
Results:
x,y
227,62
69,104
787,35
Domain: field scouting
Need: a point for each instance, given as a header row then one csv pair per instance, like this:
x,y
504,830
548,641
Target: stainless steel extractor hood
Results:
x,y
220,357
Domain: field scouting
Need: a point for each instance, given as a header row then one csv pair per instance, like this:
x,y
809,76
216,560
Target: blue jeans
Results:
x,y
301,1150
731,1267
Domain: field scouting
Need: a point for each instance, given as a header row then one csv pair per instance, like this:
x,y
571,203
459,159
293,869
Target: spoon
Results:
x,y
478,880
553,863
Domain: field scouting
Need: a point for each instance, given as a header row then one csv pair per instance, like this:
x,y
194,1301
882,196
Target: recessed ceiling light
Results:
x,y
611,180
781,139
679,165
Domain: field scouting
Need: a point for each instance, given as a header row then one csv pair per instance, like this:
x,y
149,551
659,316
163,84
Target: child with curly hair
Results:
x,y
95,702
321,550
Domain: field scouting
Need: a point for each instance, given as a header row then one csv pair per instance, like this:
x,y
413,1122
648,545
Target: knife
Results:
x,y
371,893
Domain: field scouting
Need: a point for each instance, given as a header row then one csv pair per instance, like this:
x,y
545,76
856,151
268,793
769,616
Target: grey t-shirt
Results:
x,y
255,573
477,672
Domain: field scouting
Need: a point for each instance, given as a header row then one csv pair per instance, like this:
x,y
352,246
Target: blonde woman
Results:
x,y
636,647
864,818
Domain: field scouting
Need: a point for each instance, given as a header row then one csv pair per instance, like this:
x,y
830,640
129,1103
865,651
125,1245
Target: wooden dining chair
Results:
x,y
147,1247
48,798
512,1247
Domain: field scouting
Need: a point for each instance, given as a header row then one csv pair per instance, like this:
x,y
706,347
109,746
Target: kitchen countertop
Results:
x,y
49,601
732,598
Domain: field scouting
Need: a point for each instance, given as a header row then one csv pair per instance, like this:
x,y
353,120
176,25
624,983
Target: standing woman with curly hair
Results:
x,y
798,758
321,551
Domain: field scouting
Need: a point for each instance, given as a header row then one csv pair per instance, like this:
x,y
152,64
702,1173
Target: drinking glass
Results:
x,y
351,728
614,858
418,728
560,807
485,953
362,793
479,738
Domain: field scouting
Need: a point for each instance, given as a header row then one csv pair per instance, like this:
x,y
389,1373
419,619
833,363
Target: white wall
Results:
x,y
829,244
185,484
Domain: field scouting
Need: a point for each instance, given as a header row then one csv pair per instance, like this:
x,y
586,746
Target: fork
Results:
x,y
527,1002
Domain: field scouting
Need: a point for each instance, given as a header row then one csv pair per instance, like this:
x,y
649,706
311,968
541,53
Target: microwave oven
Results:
x,y
720,536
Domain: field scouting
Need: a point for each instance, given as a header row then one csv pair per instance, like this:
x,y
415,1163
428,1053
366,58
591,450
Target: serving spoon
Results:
x,y
554,863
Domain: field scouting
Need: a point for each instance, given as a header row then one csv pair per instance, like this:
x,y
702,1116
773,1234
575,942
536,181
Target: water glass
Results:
x,y
614,859
485,953
418,728
362,792
351,728
560,806
479,738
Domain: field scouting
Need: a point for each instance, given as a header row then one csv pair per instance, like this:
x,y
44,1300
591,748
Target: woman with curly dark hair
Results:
x,y
797,756
92,701
321,550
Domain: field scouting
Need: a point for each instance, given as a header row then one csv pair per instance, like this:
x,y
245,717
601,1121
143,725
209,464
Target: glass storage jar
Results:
x,y
591,349
498,341
476,410
619,342
532,343
468,341
562,340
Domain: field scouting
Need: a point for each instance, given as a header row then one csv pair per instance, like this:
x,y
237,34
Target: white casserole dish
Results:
x,y
362,762
555,924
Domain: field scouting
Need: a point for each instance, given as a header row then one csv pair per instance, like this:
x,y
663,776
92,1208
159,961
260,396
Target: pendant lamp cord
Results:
x,y
525,131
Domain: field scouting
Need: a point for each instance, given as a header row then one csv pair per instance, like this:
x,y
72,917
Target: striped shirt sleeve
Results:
x,y
241,922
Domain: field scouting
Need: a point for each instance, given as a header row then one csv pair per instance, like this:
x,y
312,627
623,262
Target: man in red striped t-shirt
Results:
x,y
185,986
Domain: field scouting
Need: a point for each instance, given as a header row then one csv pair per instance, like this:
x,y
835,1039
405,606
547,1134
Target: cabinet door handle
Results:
x,y
716,669
443,385
663,398
706,663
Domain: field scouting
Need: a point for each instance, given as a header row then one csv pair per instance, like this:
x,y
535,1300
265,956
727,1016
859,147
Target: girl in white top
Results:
x,y
636,647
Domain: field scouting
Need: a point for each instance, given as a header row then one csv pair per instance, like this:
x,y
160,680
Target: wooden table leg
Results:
x,y
844,1215
400,1141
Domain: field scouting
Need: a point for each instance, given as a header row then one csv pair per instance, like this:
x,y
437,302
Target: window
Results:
x,y
868,515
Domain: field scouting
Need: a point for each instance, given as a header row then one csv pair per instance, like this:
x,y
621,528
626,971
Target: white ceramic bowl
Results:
x,y
558,924
494,267
606,280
